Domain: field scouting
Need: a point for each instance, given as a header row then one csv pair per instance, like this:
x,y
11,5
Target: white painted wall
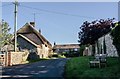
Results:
x,y
110,48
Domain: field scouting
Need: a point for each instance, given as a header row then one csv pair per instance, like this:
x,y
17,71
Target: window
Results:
x,y
75,49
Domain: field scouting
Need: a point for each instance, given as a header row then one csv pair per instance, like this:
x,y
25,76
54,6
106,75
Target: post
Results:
x,y
15,26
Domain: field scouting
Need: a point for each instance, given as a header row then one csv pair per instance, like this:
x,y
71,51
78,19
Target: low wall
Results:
x,y
15,58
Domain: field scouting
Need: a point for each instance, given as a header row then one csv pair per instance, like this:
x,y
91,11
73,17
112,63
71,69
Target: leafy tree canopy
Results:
x,y
91,31
5,36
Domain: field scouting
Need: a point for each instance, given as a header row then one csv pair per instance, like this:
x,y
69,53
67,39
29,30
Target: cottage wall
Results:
x,y
110,48
23,44
39,50
45,51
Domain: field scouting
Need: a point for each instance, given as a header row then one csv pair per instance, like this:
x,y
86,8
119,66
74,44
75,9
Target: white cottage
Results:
x,y
110,48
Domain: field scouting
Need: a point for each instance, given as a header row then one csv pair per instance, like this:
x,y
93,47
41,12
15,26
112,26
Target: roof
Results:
x,y
28,40
32,34
66,46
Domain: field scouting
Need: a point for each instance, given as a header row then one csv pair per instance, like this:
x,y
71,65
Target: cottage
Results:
x,y
66,48
29,38
99,47
110,48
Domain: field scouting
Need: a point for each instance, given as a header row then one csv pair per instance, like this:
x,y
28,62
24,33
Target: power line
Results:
x,y
55,12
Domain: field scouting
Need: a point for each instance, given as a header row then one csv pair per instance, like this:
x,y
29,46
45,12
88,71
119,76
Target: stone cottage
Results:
x,y
29,38
110,48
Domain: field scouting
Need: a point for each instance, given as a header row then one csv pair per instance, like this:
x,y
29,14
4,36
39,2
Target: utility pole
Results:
x,y
15,24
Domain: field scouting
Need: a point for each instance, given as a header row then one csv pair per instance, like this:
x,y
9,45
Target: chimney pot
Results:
x,y
40,31
32,23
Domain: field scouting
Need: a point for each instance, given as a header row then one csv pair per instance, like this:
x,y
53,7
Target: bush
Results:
x,y
61,56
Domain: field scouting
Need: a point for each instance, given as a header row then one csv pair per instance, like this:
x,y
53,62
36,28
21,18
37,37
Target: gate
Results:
x,y
2,59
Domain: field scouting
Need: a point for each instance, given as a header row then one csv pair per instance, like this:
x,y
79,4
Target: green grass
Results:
x,y
79,68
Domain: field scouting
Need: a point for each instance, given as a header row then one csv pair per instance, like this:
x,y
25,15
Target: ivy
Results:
x,y
115,33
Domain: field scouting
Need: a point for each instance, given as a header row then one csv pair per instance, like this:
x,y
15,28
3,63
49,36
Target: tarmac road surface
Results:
x,y
47,69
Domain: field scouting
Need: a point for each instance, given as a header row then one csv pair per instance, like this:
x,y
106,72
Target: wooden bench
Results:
x,y
99,60
94,63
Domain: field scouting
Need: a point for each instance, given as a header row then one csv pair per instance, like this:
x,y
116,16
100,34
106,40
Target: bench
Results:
x,y
94,63
99,60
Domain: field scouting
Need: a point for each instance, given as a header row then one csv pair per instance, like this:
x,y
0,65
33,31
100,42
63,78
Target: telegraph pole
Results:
x,y
15,25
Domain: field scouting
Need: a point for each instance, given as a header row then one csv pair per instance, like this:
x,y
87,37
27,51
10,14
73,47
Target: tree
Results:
x,y
82,48
90,32
5,36
115,33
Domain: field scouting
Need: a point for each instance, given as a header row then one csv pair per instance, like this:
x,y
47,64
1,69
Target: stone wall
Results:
x,y
43,52
17,57
110,48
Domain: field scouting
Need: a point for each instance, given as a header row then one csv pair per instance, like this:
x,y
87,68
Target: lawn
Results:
x,y
78,68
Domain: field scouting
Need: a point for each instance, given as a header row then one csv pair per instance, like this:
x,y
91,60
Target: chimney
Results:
x,y
54,43
40,31
32,23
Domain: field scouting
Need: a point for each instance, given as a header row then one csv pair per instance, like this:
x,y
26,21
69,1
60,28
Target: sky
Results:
x,y
59,21
62,0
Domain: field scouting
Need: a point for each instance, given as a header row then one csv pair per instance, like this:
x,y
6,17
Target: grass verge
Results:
x,y
78,68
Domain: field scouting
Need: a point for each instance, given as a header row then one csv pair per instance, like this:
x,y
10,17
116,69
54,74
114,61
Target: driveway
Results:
x,y
53,68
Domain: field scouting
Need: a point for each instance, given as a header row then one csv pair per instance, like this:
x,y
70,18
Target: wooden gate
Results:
x,y
3,59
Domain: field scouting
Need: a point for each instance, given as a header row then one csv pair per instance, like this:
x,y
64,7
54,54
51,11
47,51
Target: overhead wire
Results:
x,y
55,12
49,11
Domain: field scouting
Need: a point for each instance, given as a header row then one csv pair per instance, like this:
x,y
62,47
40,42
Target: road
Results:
x,y
53,68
